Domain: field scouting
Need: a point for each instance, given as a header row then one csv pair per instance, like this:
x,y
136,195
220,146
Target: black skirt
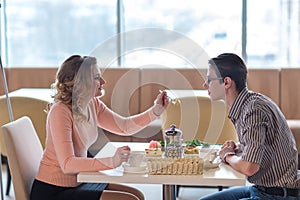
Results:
x,y
45,191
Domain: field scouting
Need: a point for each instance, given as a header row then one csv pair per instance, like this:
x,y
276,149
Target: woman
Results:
x,y
72,127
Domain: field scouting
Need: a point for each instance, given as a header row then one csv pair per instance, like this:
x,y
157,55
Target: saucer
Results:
x,y
210,164
135,170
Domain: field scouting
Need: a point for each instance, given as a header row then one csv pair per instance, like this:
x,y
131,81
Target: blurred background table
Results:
x,y
39,93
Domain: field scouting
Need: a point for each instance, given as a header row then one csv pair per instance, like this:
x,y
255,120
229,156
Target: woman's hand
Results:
x,y
161,103
121,155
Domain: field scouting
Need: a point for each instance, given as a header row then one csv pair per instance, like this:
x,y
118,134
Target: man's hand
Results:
x,y
228,148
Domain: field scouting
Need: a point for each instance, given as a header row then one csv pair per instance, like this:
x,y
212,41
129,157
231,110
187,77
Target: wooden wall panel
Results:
x,y
30,77
290,93
122,90
265,81
141,86
123,84
153,80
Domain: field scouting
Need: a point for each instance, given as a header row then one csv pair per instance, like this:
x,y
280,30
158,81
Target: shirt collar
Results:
x,y
237,104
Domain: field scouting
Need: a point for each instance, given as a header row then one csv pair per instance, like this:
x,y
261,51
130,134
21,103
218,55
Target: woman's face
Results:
x,y
98,82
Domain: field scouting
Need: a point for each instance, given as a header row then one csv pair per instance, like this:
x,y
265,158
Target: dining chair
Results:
x,y
24,152
198,117
23,106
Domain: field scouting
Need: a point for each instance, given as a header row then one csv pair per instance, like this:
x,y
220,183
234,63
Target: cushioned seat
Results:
x,y
199,117
295,128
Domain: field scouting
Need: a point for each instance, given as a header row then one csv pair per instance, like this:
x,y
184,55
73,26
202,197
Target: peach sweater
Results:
x,y
67,142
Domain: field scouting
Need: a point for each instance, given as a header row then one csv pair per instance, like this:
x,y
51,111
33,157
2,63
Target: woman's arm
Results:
x,y
113,122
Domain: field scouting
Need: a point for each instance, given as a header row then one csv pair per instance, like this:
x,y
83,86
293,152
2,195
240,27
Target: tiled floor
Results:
x,y
4,178
151,191
154,192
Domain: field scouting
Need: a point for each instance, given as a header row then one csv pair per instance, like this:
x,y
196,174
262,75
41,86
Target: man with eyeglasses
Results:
x,y
266,152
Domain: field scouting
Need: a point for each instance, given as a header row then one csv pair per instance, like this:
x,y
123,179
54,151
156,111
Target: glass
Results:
x,y
263,32
273,34
204,22
208,80
173,142
44,33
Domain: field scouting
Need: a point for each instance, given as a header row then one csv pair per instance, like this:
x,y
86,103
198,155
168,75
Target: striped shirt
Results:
x,y
263,131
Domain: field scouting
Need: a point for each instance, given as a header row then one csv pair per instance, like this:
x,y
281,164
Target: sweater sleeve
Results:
x,y
115,123
71,155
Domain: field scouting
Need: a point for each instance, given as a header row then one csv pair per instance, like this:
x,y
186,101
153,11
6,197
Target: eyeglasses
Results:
x,y
208,80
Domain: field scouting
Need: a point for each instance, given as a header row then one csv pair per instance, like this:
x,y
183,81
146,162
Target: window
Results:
x,y
213,28
273,33
43,33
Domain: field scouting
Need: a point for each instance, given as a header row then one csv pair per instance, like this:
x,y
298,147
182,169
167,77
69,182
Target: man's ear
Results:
x,y
227,82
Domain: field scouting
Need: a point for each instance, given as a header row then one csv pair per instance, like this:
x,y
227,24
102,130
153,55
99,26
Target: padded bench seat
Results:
x,y
294,125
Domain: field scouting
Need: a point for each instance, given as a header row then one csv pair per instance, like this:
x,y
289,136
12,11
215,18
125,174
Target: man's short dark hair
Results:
x,y
231,65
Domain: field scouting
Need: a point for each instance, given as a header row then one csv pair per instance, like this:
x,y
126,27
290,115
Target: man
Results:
x,y
266,152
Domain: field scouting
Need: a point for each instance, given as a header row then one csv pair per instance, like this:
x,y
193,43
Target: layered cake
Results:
x,y
191,149
154,149
153,152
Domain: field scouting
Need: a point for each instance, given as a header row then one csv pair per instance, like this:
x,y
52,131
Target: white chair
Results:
x,y
23,106
24,152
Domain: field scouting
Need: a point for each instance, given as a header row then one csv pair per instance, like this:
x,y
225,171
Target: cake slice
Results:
x,y
153,152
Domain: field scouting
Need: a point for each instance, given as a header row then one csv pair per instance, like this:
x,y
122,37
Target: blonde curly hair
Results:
x,y
74,82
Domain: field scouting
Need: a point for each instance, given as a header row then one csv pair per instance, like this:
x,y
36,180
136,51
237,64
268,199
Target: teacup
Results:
x,y
136,159
208,153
